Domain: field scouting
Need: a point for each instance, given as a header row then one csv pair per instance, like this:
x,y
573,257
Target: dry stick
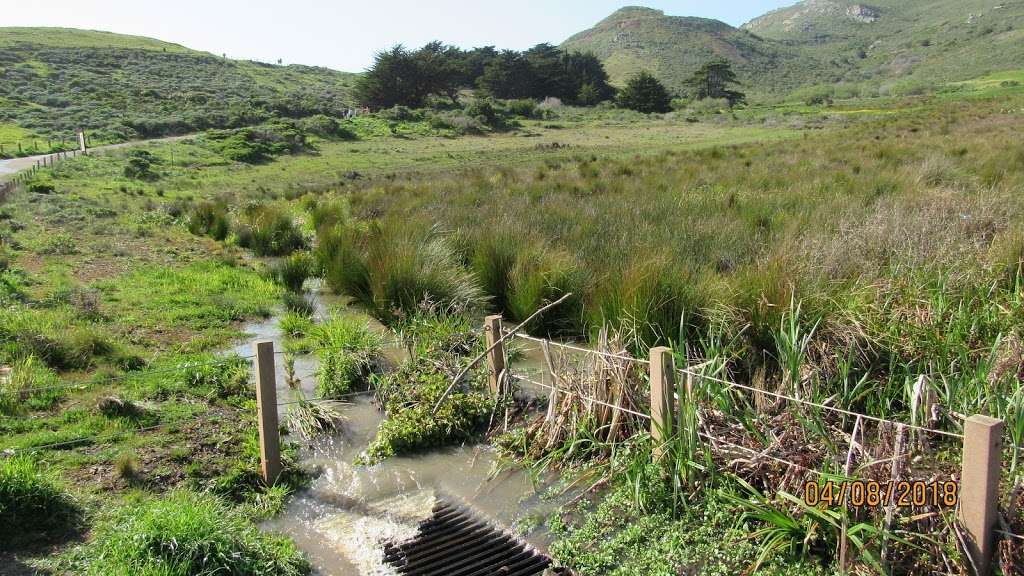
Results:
x,y
896,472
498,342
843,544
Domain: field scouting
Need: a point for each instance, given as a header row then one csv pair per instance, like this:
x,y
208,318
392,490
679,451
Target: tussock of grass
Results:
x,y
293,271
29,385
348,350
268,231
185,533
394,268
30,502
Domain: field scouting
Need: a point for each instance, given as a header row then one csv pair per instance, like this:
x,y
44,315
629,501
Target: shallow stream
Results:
x,y
348,511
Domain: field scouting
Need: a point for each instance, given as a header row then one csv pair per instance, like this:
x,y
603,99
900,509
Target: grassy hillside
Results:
x,y
673,47
883,47
914,42
53,80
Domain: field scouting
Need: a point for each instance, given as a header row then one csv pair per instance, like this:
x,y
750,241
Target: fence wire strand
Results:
x,y
690,372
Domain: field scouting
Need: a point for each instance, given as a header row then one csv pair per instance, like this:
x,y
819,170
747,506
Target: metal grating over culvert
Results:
x,y
452,542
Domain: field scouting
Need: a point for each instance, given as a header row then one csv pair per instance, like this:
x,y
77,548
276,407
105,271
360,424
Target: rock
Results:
x,y
112,407
863,13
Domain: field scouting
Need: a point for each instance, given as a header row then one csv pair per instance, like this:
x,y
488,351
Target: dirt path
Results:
x,y
15,165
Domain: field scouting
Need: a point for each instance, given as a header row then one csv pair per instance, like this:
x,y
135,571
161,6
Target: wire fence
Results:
x,y
736,385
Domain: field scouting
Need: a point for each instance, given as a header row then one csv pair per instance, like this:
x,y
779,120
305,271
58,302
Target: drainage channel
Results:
x,y
349,513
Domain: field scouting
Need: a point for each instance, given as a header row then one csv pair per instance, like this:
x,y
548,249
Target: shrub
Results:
x,y
184,533
140,166
410,396
327,127
41,187
401,114
30,502
484,110
268,231
523,108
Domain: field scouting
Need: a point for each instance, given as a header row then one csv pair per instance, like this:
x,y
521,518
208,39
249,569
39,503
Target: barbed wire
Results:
x,y
95,437
704,435
130,375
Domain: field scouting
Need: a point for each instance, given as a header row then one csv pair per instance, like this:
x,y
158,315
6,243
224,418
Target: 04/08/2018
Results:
x,y
869,493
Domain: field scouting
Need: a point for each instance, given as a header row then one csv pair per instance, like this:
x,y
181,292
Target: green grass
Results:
x,y
185,533
207,296
31,502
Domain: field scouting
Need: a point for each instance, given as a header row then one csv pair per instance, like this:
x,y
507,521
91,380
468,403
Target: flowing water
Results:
x,y
348,511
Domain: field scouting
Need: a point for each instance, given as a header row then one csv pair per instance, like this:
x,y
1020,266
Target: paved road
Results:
x,y
15,165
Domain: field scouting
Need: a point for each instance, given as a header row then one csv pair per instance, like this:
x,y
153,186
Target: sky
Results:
x,y
345,35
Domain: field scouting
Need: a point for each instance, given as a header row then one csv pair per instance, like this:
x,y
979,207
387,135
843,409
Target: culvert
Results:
x,y
453,542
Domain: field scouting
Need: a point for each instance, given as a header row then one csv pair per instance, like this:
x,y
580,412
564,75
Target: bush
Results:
x,y
31,503
401,114
484,110
326,127
268,231
184,533
140,166
523,108
41,187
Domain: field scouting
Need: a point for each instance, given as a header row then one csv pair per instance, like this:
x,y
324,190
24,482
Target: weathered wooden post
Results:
x,y
496,357
266,406
81,139
663,378
979,488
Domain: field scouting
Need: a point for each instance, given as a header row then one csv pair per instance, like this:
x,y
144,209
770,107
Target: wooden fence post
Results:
x,y
663,405
266,403
979,488
496,358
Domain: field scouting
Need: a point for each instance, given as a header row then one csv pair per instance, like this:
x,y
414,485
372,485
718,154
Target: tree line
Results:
x,y
405,77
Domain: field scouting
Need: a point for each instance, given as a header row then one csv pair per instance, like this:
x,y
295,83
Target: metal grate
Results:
x,y
452,542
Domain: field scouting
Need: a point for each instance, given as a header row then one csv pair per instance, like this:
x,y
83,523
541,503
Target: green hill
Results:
x,y
881,46
673,47
910,41
53,80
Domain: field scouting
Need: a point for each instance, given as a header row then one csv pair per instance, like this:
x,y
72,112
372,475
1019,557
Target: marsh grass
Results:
x,y
349,352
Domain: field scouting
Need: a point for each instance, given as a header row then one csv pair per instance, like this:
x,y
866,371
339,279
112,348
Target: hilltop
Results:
x,y
120,87
915,41
673,47
877,46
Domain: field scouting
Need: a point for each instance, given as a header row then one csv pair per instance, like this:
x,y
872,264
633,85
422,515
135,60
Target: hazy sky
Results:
x,y
345,35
